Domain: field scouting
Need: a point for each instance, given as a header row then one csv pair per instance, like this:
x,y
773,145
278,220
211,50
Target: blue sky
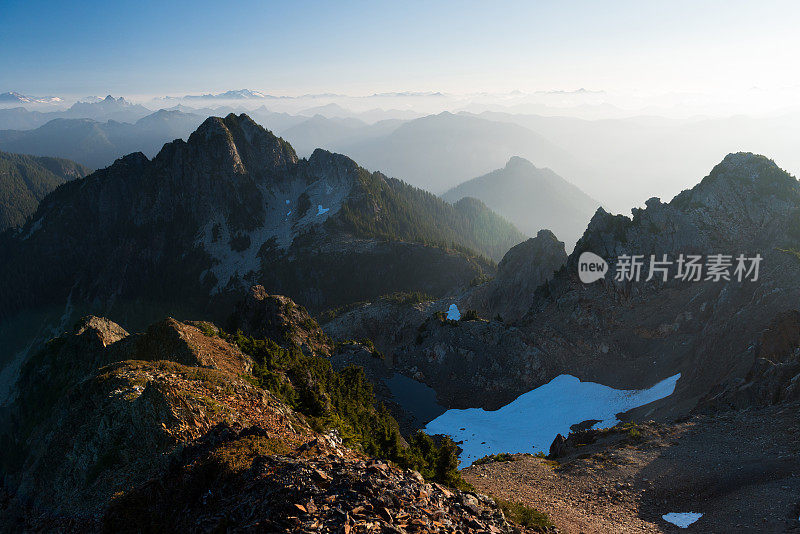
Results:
x,y
149,48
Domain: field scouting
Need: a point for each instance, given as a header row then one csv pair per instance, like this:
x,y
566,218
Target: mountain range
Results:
x,y
255,403
97,144
104,109
531,198
436,152
621,333
12,97
189,230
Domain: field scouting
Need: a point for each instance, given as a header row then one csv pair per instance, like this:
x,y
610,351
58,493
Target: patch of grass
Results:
x,y
238,455
525,516
502,457
207,329
470,315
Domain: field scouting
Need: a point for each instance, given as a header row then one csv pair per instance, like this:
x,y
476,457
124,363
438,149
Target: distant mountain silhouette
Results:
x,y
436,152
97,144
531,198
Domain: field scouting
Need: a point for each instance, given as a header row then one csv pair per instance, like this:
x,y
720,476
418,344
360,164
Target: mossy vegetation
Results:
x,y
26,180
525,516
344,400
411,214
470,315
501,457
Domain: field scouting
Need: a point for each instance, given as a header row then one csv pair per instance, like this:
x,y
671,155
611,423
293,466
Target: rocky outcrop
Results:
x,y
192,344
121,405
457,358
775,375
176,428
523,269
328,488
631,334
276,317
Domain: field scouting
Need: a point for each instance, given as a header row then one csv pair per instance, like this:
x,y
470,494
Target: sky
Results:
x,y
358,48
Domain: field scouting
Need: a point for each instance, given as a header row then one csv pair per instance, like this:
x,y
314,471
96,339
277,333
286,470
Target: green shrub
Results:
x,y
525,516
501,457
344,400
470,315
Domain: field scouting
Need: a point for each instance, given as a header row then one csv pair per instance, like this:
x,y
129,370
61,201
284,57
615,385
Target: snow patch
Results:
x,y
681,519
531,422
280,226
452,313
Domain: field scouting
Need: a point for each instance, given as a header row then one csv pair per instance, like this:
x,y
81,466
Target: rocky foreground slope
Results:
x,y
739,469
185,428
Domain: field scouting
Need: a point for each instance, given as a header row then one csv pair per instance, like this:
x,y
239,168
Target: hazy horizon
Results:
x,y
690,58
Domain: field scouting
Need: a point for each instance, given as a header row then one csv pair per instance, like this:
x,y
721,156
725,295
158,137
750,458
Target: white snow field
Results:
x,y
681,519
531,422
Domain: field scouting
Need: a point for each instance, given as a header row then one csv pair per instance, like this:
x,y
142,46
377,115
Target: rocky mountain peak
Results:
x,y
523,268
516,162
243,143
746,200
742,179
543,250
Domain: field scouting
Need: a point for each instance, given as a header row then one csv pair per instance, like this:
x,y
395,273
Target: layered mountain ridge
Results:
x,y
97,144
532,198
628,333
189,230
